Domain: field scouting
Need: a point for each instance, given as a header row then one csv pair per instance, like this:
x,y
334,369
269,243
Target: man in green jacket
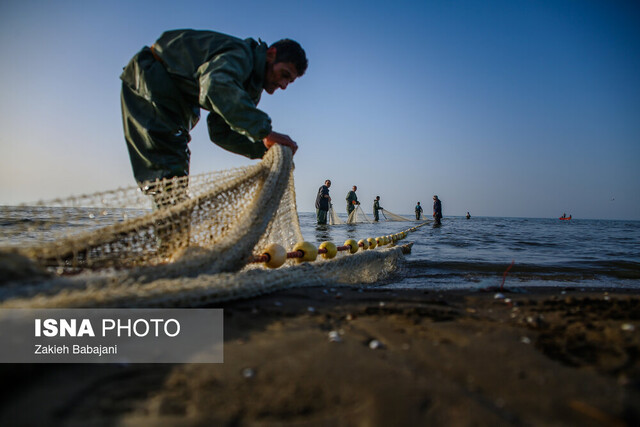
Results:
x,y
352,200
165,86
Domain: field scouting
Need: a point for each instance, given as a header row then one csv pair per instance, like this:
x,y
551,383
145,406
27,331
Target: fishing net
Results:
x,y
334,219
357,216
208,225
180,242
390,216
365,267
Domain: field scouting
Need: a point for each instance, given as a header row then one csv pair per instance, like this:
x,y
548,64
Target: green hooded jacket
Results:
x,y
351,198
219,73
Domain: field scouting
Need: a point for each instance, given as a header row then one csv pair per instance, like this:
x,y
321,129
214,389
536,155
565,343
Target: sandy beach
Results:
x,y
369,357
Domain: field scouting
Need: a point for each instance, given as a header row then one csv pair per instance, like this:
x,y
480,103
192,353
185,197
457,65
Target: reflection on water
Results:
x,y
323,233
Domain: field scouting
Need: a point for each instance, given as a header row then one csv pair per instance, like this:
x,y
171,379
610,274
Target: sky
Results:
x,y
500,107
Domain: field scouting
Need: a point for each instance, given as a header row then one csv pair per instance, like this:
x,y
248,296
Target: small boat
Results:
x,y
565,218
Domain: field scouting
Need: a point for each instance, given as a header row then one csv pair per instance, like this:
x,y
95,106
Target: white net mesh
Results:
x,y
357,216
390,216
194,251
362,268
334,219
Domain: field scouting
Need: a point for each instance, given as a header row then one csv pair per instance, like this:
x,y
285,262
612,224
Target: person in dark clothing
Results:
x,y
437,209
322,203
376,209
352,200
418,211
165,86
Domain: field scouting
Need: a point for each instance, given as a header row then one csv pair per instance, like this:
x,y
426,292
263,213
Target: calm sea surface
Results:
x,y
461,253
474,253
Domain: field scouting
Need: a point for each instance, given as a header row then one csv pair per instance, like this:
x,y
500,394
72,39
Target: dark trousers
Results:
x,y
156,120
321,216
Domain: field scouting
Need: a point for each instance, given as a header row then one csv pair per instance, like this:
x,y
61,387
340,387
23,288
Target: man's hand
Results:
x,y
280,138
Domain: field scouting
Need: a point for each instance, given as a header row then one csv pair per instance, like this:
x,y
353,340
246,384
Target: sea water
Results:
x,y
458,254
466,253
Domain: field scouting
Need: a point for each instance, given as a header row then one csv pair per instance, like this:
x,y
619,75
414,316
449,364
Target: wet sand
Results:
x,y
369,357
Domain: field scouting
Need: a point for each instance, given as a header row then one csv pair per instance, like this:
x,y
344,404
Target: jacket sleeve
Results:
x,y
221,91
221,134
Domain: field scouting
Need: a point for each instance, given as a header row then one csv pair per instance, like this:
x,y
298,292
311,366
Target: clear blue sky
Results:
x,y
501,107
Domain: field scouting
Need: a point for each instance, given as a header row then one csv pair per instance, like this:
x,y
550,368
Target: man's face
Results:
x,y
278,75
355,188
327,183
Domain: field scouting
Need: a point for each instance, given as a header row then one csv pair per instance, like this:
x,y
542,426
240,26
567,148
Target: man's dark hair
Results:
x,y
288,50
